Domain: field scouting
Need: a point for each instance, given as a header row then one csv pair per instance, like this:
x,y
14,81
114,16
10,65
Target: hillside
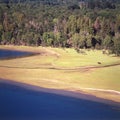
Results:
x,y
59,23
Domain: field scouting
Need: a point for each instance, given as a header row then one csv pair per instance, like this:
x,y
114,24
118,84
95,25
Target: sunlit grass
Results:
x,y
73,59
37,70
28,62
68,58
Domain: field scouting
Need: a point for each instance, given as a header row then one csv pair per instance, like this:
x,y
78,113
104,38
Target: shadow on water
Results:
x,y
19,103
10,54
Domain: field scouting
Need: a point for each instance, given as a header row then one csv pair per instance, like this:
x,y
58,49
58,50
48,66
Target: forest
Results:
x,y
88,24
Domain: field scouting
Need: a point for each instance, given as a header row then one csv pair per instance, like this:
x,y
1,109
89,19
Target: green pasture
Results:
x,y
46,70
70,58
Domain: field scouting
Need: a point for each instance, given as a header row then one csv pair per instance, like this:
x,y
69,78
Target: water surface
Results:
x,y
7,54
18,103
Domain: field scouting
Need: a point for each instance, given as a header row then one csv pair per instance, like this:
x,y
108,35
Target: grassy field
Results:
x,y
64,69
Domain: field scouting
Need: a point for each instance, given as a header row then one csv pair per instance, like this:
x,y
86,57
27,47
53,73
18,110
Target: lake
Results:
x,y
19,103
7,54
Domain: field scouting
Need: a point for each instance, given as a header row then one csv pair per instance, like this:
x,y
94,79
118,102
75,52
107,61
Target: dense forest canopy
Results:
x,y
61,23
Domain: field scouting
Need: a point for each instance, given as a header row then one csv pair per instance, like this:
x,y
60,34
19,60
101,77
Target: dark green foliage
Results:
x,y
73,7
116,48
61,23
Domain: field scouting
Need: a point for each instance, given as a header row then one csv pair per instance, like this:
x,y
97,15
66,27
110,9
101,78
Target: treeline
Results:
x,y
65,25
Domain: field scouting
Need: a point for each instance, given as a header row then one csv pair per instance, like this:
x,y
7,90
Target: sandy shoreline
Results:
x,y
69,93
111,97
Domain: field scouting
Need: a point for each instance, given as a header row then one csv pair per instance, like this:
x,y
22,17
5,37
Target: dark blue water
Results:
x,y
18,103
13,54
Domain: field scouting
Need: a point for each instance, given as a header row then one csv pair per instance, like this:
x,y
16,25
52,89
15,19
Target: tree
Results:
x,y
76,40
6,37
108,42
57,39
88,41
72,24
116,48
97,25
48,38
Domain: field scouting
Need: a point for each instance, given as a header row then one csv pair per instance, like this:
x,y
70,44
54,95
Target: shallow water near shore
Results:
x,y
18,103
8,54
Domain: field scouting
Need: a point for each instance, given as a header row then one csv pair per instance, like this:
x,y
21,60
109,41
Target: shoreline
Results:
x,y
64,92
103,90
74,91
39,51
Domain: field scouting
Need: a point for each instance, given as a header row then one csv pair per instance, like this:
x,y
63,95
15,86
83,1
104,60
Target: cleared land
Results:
x,y
65,69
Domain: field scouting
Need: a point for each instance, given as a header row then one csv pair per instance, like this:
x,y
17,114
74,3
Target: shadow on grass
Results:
x,y
19,103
